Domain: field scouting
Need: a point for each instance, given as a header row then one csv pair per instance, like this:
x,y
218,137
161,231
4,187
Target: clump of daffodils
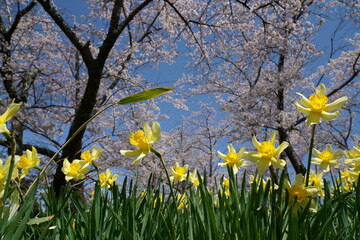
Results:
x,y
78,168
107,179
266,154
233,159
317,107
29,160
74,170
143,139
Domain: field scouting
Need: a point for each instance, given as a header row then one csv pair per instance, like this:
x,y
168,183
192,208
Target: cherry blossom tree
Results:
x,y
260,53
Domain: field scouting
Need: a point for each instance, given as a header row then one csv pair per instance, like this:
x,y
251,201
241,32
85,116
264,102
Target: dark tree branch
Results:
x,y
113,34
84,49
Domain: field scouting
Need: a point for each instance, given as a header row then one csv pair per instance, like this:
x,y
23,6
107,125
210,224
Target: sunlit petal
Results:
x,y
321,89
330,116
304,101
303,109
255,142
281,148
337,104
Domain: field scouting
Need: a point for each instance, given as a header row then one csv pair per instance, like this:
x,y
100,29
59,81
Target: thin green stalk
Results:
x,y
168,178
310,154
11,168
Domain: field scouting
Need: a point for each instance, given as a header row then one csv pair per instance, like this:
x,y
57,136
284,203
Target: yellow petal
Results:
x,y
262,165
10,112
255,142
313,118
235,169
221,155
273,137
304,101
302,109
142,155
155,133
131,153
281,148
299,180
321,89
330,116
337,104
278,163
253,157
3,128
241,152
231,148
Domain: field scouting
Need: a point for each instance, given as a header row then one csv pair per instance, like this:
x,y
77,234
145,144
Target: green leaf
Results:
x,y
145,95
40,220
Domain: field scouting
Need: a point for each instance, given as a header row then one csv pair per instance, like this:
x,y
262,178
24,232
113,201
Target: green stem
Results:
x,y
11,168
166,171
310,154
168,178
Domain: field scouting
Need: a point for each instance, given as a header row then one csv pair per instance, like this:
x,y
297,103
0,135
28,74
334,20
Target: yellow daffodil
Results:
x,y
347,179
182,201
266,154
326,159
4,169
179,172
90,156
9,113
29,160
75,169
143,140
316,180
316,106
226,186
194,179
107,179
353,157
233,159
299,192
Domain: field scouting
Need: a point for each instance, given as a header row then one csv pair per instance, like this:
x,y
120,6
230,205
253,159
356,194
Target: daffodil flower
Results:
x,y
317,106
233,159
316,180
299,192
90,156
9,113
182,201
194,179
4,169
326,159
266,154
143,140
179,172
75,169
107,179
29,160
226,186
353,156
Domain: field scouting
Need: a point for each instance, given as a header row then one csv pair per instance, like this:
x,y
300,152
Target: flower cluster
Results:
x,y
22,166
78,168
